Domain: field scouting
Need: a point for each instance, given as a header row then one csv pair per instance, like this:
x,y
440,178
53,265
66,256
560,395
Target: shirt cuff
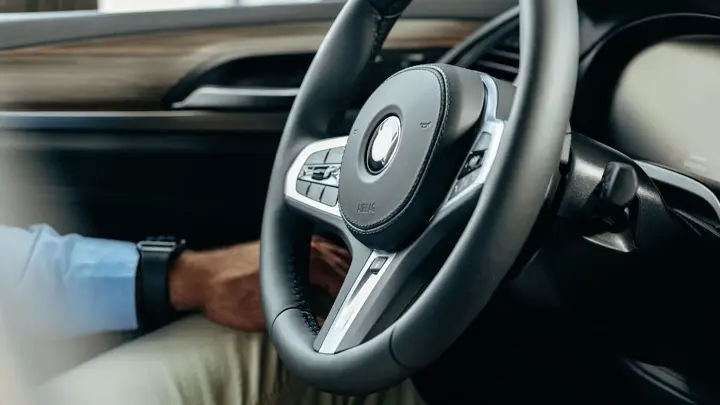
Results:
x,y
101,286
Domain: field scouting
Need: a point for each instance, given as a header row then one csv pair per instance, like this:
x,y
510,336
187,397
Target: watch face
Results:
x,y
152,243
161,246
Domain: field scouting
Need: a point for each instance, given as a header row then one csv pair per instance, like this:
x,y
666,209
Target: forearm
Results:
x,y
62,286
187,277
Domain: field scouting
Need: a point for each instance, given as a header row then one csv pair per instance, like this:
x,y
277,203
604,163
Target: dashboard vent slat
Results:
x,y
501,59
499,70
506,55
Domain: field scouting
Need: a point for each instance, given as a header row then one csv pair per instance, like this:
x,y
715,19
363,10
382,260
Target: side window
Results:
x,y
120,6
111,6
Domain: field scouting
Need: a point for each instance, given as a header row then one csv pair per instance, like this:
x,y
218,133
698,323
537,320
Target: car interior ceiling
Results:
x,y
182,143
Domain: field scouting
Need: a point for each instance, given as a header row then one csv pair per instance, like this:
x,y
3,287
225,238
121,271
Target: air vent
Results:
x,y
501,59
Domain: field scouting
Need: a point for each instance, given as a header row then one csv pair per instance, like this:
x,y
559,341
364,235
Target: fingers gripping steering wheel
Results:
x,y
433,149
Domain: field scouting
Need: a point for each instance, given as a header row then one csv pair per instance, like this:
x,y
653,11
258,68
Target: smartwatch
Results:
x,y
157,256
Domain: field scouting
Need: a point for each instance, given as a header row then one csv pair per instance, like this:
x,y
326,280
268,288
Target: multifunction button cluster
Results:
x,y
471,167
318,178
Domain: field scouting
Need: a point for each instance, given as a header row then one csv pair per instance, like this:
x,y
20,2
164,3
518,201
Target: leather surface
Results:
x,y
439,106
506,212
389,7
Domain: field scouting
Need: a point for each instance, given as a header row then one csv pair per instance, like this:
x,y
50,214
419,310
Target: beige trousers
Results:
x,y
195,362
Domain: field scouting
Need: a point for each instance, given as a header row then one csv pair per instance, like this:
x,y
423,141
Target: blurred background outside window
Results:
x,y
111,6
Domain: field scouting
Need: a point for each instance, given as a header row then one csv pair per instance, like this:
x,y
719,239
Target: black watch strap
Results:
x,y
156,259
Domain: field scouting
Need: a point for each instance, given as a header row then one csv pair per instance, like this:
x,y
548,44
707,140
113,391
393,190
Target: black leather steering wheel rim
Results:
x,y
502,219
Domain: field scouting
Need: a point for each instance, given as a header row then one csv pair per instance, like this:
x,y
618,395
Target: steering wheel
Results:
x,y
436,151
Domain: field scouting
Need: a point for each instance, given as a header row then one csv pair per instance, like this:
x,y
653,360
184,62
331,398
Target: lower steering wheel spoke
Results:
x,y
312,182
368,292
380,285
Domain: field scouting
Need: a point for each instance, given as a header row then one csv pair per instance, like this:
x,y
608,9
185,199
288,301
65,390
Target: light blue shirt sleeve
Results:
x,y
64,286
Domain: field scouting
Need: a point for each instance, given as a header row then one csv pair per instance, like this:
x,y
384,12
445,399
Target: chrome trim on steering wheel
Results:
x,y
363,286
294,172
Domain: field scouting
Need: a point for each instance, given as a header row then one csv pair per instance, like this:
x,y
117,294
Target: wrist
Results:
x,y
186,282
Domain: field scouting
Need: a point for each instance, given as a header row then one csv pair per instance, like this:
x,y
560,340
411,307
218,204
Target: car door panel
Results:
x,y
129,185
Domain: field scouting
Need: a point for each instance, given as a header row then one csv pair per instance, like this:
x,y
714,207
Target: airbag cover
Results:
x,y
384,203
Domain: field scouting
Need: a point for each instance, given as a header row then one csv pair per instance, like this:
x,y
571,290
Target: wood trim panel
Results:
x,y
132,73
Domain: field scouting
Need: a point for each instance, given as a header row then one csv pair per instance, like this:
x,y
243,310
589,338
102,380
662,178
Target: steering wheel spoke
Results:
x,y
479,160
375,292
380,285
359,283
313,180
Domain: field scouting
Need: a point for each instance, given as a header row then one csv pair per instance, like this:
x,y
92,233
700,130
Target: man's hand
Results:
x,y
225,283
